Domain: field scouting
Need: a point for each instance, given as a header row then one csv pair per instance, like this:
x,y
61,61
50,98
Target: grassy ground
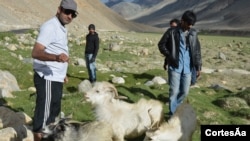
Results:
x,y
203,99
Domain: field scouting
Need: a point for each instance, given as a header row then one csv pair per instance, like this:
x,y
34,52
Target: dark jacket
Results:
x,y
169,46
92,44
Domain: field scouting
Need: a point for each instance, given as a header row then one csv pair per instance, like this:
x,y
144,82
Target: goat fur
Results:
x,y
128,120
180,127
68,130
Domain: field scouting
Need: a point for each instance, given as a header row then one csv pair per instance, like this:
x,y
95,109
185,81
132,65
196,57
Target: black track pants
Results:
x,y
48,102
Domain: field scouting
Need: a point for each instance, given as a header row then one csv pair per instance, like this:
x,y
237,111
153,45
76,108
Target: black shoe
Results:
x,y
92,80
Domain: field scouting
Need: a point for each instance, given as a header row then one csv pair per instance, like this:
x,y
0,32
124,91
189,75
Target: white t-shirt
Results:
x,y
54,37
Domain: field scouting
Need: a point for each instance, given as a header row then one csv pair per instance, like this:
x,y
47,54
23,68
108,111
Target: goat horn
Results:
x,y
73,121
121,97
114,90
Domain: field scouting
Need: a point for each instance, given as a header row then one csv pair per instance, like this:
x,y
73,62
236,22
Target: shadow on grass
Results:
x,y
3,103
134,90
242,113
77,77
144,76
72,89
163,98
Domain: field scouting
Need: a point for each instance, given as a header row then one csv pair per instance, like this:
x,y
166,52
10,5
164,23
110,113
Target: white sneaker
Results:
x,y
195,86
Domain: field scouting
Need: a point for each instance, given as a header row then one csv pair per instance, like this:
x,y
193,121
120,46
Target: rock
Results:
x,y
5,93
207,70
18,133
149,83
32,89
84,86
10,119
144,52
222,56
23,133
118,80
81,62
159,80
114,47
8,83
8,134
24,117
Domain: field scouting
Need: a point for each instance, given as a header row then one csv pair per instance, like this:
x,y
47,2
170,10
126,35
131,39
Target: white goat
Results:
x,y
180,127
68,130
128,120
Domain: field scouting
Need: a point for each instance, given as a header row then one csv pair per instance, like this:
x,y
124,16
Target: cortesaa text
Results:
x,y
237,132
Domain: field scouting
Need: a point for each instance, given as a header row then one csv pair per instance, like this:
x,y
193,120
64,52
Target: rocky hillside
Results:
x,y
212,14
143,3
127,9
25,14
130,8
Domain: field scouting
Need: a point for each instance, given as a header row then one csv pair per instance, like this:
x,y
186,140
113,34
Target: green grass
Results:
x,y
202,98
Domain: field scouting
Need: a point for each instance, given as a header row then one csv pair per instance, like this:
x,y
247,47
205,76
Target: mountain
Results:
x,y
142,3
129,8
26,14
211,14
154,17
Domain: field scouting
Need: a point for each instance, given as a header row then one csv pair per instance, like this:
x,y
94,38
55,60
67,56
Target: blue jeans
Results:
x,y
193,78
90,67
179,84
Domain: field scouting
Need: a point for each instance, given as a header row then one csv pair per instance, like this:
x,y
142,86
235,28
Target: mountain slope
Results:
x,y
212,14
130,8
20,14
126,9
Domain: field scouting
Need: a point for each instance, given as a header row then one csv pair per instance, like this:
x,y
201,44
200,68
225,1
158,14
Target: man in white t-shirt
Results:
x,y
51,56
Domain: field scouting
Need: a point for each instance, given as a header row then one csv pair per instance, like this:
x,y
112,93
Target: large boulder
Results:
x,y
9,118
18,133
8,84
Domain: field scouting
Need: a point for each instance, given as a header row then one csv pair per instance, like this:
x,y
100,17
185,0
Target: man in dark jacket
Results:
x,y
91,50
173,23
181,48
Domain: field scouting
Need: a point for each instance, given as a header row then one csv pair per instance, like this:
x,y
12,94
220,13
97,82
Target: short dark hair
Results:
x,y
174,21
189,17
91,26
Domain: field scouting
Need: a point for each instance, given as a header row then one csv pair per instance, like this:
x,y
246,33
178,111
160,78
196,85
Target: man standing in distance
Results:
x,y
91,50
51,56
174,23
181,47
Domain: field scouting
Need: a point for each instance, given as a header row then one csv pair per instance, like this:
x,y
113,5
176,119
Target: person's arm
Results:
x,y
39,53
199,59
162,44
96,48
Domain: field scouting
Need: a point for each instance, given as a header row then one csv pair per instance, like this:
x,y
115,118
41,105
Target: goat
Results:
x,y
180,127
68,130
128,120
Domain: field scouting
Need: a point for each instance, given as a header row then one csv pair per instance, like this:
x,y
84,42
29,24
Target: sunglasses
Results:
x,y
69,11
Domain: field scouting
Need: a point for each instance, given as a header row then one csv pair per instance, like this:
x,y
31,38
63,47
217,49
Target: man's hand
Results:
x,y
198,74
66,80
62,58
165,64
